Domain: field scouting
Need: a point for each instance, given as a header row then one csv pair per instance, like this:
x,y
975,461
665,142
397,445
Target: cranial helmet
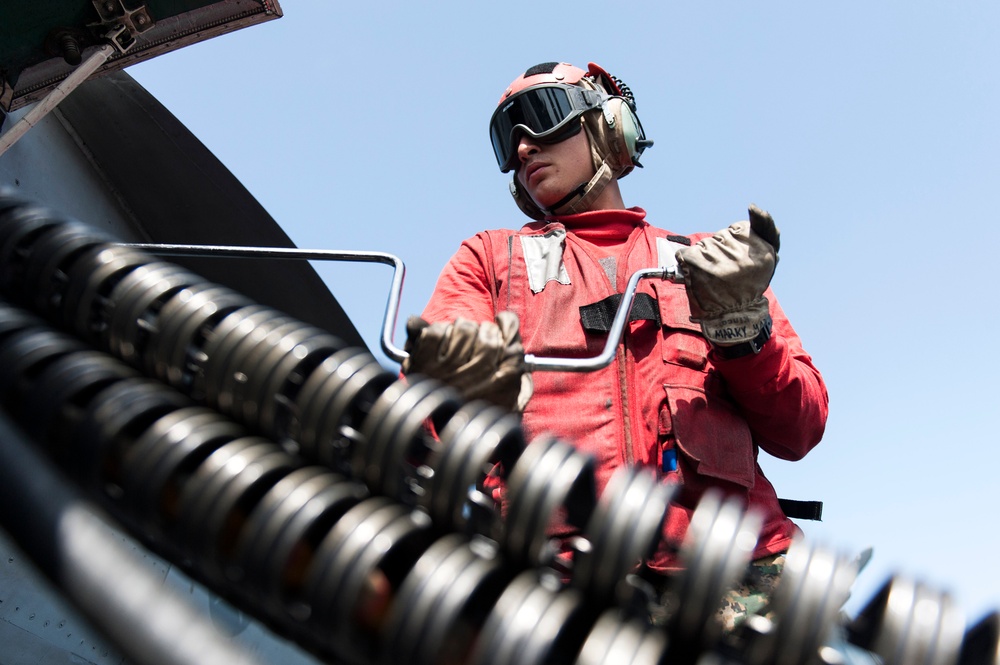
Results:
x,y
551,102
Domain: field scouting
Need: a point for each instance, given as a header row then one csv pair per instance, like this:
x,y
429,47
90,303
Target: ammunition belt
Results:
x,y
300,480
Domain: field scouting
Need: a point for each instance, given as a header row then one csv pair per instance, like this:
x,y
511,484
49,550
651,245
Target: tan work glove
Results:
x,y
726,276
480,360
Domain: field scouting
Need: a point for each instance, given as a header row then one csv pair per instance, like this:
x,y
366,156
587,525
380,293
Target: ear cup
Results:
x,y
625,127
630,129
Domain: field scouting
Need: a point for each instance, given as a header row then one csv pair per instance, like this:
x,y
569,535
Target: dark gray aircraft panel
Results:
x,y
36,624
149,157
113,156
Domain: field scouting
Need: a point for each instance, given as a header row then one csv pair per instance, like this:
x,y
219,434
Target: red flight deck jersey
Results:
x,y
667,401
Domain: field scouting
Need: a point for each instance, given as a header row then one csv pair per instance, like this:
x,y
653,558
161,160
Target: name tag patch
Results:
x,y
544,258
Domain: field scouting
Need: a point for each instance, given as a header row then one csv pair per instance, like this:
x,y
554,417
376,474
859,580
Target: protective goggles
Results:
x,y
544,112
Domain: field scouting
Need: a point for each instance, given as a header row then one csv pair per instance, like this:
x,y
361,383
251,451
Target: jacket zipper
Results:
x,y
623,388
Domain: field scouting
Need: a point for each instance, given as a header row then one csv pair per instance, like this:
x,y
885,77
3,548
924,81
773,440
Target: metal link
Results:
x,y
24,355
286,526
356,571
549,476
479,441
292,360
715,554
333,404
443,603
161,465
625,528
623,640
533,622
216,501
176,349
396,402
819,584
114,418
134,306
235,336
56,405
20,228
249,366
396,439
907,622
45,268
92,277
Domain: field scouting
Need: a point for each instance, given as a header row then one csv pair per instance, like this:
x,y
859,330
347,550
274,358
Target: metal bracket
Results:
x,y
119,24
51,100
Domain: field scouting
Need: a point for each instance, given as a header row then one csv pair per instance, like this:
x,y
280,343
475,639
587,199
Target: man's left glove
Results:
x,y
726,276
480,360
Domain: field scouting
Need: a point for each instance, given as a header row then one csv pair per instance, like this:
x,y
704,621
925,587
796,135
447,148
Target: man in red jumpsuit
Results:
x,y
709,371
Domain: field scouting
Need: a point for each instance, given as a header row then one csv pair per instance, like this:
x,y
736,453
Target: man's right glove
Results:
x,y
726,276
480,360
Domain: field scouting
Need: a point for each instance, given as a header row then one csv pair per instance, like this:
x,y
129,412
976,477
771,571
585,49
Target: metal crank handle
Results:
x,y
535,364
532,363
241,252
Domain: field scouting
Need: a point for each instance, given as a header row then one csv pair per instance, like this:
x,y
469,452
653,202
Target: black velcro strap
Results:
x,y
597,316
543,68
802,510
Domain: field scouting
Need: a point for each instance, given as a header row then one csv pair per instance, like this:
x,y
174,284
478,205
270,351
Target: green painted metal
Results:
x,y
32,62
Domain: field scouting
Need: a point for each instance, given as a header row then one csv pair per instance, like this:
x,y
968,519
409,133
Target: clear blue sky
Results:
x,y
869,130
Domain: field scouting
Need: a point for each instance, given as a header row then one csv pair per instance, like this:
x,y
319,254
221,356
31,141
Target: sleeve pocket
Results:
x,y
712,435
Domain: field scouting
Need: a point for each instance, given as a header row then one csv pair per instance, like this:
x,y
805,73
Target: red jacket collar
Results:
x,y
598,226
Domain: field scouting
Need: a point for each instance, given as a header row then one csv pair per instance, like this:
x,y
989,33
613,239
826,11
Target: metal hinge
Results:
x,y
119,24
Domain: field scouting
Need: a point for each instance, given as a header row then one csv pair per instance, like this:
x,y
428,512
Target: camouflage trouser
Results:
x,y
751,596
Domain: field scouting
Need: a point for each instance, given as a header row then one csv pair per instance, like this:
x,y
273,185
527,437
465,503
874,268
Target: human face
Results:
x,y
550,171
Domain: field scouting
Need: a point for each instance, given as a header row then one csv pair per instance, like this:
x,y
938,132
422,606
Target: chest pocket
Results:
x,y
683,344
697,415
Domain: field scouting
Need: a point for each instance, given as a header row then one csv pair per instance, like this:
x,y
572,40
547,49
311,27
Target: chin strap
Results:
x,y
579,199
